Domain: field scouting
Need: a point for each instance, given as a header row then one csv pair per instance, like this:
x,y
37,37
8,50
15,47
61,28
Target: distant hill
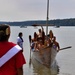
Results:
x,y
57,22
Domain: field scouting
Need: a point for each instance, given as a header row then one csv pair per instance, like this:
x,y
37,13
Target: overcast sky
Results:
x,y
24,10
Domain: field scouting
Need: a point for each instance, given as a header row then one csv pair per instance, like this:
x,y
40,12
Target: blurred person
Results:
x,y
56,44
11,57
20,40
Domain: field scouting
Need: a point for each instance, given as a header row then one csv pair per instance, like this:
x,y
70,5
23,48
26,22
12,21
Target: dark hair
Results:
x,y
51,33
20,34
35,36
39,30
3,35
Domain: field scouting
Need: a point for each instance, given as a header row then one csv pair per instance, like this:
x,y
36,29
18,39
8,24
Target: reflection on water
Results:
x,y
39,69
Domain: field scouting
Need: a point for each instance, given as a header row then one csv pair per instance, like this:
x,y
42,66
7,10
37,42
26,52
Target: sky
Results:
x,y
27,10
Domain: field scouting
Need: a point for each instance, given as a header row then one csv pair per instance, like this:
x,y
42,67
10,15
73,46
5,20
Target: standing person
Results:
x,y
20,40
11,57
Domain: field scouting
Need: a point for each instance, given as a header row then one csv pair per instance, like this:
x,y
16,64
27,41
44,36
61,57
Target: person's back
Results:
x,y
11,57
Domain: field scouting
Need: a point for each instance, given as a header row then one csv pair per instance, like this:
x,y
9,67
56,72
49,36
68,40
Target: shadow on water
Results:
x,y
39,69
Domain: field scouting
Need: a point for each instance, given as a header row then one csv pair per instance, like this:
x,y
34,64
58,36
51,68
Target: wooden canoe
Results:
x,y
45,56
38,68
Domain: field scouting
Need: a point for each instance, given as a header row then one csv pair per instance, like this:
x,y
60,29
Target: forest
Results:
x,y
56,22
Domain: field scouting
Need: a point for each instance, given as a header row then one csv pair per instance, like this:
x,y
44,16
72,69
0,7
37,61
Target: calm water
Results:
x,y
65,58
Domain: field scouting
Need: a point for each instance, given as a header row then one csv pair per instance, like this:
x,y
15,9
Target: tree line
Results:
x,y
57,22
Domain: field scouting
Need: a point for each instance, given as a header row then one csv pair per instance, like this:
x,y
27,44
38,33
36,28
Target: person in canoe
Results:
x,y
34,42
56,44
50,38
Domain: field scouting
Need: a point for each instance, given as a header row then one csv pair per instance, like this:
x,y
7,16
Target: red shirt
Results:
x,y
17,61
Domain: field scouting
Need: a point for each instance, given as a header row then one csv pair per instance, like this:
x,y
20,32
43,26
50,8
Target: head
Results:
x,y
40,30
20,34
54,38
35,36
51,33
4,32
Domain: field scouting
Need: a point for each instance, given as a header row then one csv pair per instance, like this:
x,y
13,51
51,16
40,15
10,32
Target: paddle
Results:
x,y
61,48
30,49
65,48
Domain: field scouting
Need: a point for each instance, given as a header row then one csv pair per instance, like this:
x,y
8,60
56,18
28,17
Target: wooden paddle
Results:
x,y
60,48
65,48
30,49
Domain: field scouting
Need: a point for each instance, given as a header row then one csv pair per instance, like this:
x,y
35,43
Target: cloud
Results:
x,y
62,9
20,10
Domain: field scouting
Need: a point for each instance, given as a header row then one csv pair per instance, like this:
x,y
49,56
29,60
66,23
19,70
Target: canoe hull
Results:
x,y
45,56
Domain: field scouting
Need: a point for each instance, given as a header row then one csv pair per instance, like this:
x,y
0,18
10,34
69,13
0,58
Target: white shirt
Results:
x,y
20,42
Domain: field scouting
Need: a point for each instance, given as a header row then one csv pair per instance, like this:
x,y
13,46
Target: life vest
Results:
x,y
12,52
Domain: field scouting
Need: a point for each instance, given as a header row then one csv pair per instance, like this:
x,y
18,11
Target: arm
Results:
x,y
58,47
20,71
19,62
18,43
42,28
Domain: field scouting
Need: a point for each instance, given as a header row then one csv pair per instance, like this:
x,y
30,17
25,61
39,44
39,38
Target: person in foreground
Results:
x,y
11,57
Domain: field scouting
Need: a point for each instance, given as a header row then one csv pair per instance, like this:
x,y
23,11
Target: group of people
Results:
x,y
40,40
11,54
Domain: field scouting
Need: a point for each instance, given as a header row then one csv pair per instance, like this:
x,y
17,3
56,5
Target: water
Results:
x,y
65,58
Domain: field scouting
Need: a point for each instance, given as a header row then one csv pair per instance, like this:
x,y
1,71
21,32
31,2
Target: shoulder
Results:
x,y
18,37
57,43
11,44
6,47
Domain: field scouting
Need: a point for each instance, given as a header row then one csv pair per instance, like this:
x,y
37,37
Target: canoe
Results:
x,y
45,56
43,70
